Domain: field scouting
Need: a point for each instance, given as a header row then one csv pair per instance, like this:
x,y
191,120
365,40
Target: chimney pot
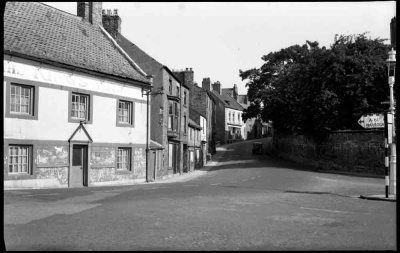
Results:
x,y
103,12
116,12
108,11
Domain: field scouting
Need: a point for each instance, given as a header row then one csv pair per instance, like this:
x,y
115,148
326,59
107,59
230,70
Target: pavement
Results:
x,y
196,173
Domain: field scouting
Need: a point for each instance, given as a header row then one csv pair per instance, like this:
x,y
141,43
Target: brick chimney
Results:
x,y
90,12
235,91
185,76
206,83
217,87
112,22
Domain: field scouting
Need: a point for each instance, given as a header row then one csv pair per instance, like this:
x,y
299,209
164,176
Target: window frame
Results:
x,y
170,87
185,124
184,97
170,115
89,119
128,159
29,160
132,113
34,100
176,117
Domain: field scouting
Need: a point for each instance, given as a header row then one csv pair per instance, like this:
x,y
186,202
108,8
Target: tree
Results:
x,y
309,90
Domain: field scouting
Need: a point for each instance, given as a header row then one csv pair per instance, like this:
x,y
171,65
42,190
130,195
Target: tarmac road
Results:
x,y
245,202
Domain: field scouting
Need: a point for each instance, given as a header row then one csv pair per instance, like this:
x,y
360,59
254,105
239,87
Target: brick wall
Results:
x,y
198,100
352,151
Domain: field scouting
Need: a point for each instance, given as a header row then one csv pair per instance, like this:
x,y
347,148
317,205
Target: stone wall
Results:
x,y
351,151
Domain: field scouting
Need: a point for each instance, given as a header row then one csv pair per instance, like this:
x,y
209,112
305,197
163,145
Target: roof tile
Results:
x,y
37,30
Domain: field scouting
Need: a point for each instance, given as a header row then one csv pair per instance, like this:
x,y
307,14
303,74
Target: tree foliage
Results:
x,y
308,89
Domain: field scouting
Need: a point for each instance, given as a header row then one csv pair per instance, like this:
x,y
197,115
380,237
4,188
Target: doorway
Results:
x,y
78,176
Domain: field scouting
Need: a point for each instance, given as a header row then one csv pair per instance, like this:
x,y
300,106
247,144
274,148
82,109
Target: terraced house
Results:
x,y
73,103
169,105
229,125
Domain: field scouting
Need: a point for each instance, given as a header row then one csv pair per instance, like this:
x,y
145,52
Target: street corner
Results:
x,y
381,197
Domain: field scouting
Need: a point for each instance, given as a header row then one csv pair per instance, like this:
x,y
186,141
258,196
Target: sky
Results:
x,y
216,39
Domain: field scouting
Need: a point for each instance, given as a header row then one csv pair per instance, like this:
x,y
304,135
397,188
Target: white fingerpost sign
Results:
x,y
372,120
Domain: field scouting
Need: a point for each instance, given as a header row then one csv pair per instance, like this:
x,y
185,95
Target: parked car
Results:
x,y
257,148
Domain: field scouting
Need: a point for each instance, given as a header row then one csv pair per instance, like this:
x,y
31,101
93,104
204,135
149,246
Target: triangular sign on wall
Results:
x,y
81,135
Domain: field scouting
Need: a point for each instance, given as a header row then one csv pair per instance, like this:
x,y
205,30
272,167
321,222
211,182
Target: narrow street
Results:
x,y
246,202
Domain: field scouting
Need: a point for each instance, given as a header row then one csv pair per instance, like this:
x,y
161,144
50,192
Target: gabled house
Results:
x,y
73,103
186,78
169,103
229,125
203,105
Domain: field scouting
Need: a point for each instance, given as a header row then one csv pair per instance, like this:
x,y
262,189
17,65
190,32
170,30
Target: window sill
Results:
x,y
124,125
123,171
21,116
72,120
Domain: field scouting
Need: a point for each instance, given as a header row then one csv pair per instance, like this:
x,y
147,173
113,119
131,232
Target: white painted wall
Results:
x,y
52,123
234,120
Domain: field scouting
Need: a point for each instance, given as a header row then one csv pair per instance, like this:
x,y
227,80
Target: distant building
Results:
x,y
73,104
229,125
194,146
254,127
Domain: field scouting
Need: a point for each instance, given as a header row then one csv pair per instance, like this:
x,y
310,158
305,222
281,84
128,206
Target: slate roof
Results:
x,y
233,104
38,31
144,60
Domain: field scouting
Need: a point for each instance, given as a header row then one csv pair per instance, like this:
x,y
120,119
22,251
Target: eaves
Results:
x,y
82,70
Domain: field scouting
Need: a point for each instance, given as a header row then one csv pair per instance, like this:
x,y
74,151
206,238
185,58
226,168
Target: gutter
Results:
x,y
75,68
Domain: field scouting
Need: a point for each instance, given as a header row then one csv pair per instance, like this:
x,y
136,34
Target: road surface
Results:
x,y
246,202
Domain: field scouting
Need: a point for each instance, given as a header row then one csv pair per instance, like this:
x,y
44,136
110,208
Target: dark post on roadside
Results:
x,y
391,129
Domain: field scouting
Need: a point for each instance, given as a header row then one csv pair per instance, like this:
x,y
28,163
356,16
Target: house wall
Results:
x,y
52,129
166,80
220,124
233,122
184,136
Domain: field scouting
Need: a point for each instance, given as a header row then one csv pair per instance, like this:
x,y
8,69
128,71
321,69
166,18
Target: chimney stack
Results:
x,y
186,76
235,91
217,87
112,23
90,12
206,83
